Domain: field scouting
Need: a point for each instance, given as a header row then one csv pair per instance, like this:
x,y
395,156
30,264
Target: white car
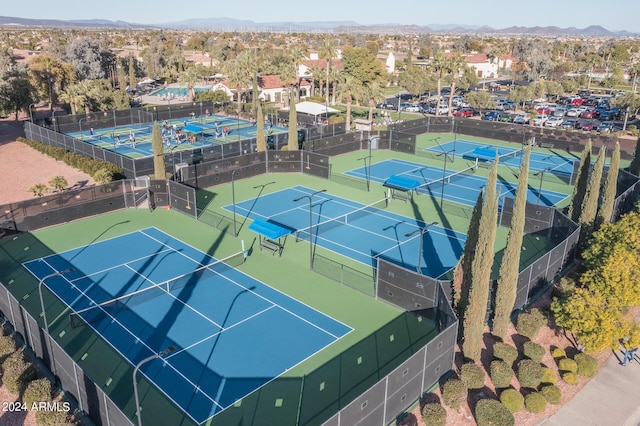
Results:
x,y
540,120
553,121
412,108
575,112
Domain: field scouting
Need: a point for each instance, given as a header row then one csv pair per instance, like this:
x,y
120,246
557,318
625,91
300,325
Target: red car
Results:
x,y
544,111
588,113
577,101
464,112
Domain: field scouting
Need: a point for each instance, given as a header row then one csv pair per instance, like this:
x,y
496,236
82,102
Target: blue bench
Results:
x,y
405,185
268,233
484,154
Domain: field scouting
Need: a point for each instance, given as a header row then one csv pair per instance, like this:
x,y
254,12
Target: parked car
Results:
x,y
540,120
588,113
605,127
492,116
545,110
575,112
553,122
464,112
386,105
506,118
412,108
520,119
571,123
560,112
587,126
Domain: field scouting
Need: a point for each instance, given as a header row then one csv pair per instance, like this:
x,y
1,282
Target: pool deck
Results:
x,y
149,98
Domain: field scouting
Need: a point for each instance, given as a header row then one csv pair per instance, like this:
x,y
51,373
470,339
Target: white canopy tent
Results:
x,y
314,109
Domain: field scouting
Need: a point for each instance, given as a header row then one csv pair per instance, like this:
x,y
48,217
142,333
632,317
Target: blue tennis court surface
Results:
x,y
554,163
232,333
357,231
463,188
195,132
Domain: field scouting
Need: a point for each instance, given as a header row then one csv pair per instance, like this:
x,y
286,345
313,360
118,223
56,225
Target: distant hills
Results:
x,y
230,24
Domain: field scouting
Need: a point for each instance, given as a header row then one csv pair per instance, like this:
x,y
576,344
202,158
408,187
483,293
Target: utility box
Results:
x,y
362,124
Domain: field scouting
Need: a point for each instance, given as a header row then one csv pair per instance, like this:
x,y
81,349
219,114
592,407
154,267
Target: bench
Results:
x,y
268,232
546,145
271,246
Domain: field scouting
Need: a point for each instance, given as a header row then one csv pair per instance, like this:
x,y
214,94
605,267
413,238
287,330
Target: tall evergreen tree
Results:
x,y
510,266
592,195
261,144
609,189
292,144
580,184
159,168
634,167
462,274
132,73
476,310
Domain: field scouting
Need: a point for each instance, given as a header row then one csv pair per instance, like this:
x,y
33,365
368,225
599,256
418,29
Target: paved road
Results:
x,y
612,398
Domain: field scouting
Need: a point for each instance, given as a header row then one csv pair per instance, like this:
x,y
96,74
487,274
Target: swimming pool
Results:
x,y
177,91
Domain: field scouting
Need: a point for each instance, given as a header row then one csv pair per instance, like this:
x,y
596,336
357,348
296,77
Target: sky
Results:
x,y
496,14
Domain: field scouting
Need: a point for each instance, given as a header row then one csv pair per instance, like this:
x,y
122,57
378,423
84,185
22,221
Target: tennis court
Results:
x,y
555,163
177,134
147,291
459,186
360,232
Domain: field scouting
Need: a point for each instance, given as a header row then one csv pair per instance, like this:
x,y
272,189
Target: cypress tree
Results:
x,y
610,187
634,167
132,73
462,274
476,310
580,184
590,202
510,266
261,144
159,168
292,144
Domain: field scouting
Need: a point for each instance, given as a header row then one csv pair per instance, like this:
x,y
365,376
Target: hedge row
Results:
x,y
20,377
78,161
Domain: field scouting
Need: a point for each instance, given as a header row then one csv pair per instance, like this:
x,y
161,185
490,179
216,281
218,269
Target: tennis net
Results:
x,y
453,177
344,219
113,307
509,155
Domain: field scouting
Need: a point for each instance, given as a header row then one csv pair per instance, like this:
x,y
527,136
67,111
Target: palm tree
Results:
x,y
456,64
58,183
634,71
349,86
190,77
316,75
236,72
438,65
297,56
335,76
375,94
593,61
328,52
72,95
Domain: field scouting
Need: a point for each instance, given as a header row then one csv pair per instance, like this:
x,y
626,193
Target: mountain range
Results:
x,y
230,24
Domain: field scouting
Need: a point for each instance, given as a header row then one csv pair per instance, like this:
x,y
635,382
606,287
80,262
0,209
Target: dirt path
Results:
x,y
23,167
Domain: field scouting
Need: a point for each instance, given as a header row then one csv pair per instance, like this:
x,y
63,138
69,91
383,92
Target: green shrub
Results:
x,y
472,375
549,376
587,365
512,399
535,402
454,393
564,287
529,323
36,391
7,347
505,352
552,394
490,412
53,418
529,373
533,351
570,378
17,373
501,373
567,364
434,414
558,353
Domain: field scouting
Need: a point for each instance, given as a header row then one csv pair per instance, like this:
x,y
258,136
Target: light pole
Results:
x,y
422,231
31,112
367,169
53,118
444,174
541,178
233,198
80,124
310,197
44,312
135,372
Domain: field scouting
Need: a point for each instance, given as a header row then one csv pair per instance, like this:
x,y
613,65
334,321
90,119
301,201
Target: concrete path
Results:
x,y
612,398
